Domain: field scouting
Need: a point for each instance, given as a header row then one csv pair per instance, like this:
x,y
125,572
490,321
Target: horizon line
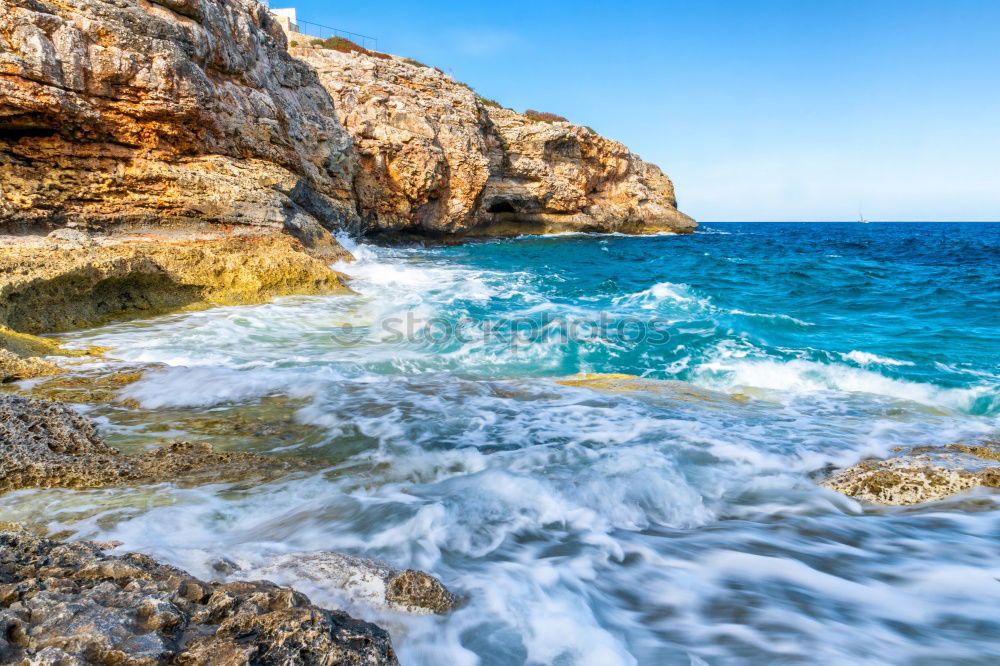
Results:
x,y
848,222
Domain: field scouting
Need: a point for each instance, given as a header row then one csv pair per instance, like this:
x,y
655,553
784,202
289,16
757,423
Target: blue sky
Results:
x,y
758,110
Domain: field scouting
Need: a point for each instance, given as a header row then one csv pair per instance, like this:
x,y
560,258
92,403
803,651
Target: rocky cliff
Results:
x,y
184,139
181,140
173,112
435,157
189,113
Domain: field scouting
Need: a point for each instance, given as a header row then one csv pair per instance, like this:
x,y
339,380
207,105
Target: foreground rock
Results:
x,y
49,445
69,603
51,284
920,475
434,157
361,581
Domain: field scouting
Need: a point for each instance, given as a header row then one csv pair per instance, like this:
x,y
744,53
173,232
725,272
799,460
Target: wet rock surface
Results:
x,y
49,445
14,367
923,474
361,580
675,390
84,385
69,603
21,354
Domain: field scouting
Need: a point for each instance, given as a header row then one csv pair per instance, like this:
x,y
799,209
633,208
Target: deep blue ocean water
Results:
x,y
674,522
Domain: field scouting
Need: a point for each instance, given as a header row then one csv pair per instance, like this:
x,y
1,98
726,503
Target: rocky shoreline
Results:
x,y
176,154
69,602
156,156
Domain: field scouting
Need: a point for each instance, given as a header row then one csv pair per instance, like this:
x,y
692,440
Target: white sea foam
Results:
x,y
582,526
865,358
731,372
772,316
662,293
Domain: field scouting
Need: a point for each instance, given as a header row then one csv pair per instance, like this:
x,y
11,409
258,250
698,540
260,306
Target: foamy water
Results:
x,y
671,524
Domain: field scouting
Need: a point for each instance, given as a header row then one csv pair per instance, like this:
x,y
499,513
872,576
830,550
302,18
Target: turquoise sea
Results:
x,y
673,520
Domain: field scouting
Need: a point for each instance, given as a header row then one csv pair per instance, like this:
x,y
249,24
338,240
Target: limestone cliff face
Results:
x,y
425,145
130,112
563,177
434,157
189,113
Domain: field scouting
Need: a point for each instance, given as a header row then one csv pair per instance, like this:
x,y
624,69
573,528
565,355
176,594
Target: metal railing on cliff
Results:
x,y
324,31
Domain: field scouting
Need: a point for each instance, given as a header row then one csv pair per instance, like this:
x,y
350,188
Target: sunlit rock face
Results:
x,y
435,157
47,286
174,112
192,113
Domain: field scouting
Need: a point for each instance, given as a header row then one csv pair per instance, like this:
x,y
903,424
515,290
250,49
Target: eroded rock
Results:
x,y
435,158
14,367
924,474
69,603
361,581
27,346
21,355
49,445
171,113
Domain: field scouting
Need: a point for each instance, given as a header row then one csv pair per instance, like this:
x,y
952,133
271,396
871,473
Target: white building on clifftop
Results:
x,y
302,33
286,19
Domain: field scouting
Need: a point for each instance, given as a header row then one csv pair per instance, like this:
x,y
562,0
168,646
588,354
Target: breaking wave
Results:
x,y
597,499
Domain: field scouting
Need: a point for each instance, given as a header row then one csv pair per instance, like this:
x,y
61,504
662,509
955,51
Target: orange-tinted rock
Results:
x,y
434,157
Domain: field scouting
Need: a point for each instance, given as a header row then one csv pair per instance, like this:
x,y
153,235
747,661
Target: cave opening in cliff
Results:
x,y
502,206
